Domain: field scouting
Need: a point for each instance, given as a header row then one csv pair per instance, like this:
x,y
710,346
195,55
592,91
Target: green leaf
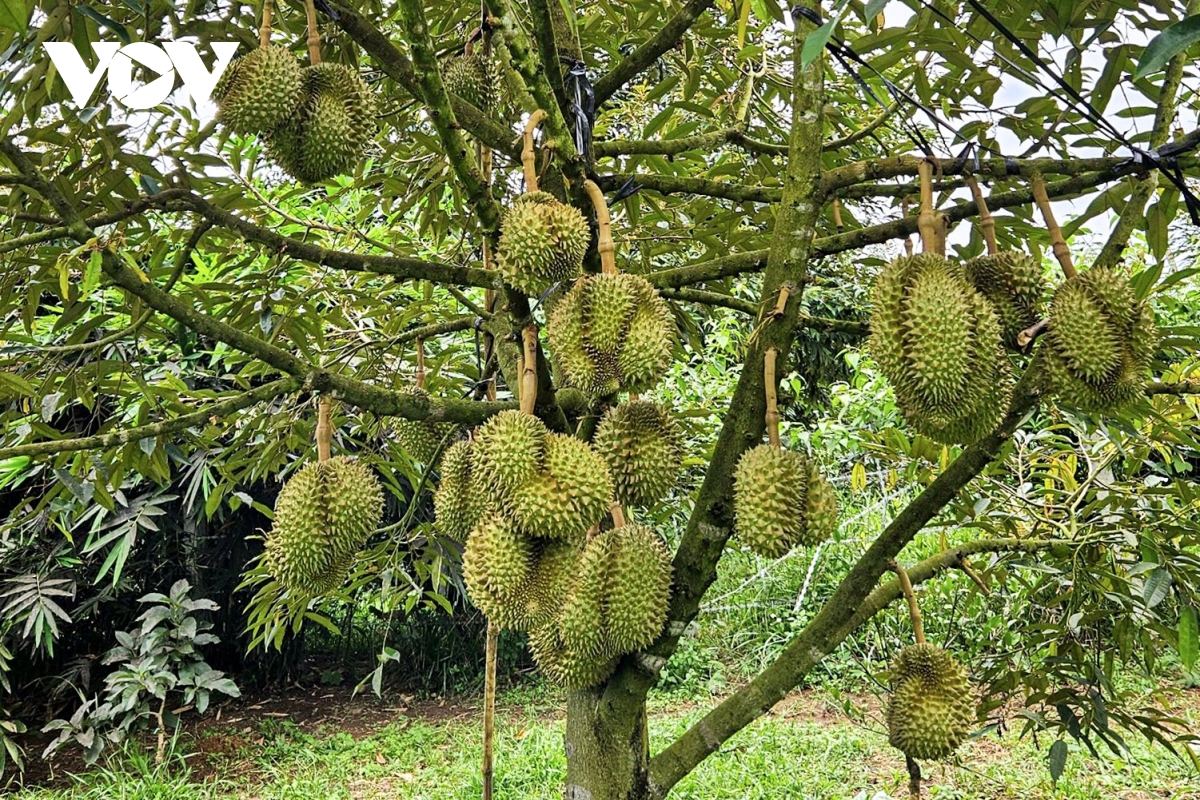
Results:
x,y
91,276
874,9
1058,760
14,15
1168,44
1189,639
814,43
1157,585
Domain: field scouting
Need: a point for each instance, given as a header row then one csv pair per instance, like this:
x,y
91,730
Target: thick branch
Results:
x,y
818,639
671,184
667,37
714,269
711,299
201,417
704,142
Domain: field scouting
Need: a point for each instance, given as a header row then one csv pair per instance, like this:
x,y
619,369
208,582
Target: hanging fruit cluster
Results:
x,y
939,330
317,120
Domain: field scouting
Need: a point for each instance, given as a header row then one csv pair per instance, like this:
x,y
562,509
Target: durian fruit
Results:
x,y
932,704
260,91
332,127
508,450
498,564
1014,284
568,496
565,666
323,515
542,242
418,438
618,602
781,501
610,333
1100,342
937,341
643,446
473,78
639,588
459,502
555,571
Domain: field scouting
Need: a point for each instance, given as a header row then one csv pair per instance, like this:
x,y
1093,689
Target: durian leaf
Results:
x,y
1168,44
1189,637
1057,760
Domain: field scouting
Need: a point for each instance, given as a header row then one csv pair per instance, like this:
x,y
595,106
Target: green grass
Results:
x,y
790,754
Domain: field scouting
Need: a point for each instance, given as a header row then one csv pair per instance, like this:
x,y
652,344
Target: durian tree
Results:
x,y
382,185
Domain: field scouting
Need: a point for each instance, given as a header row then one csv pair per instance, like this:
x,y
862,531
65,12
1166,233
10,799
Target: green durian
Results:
x,y
332,127
459,502
781,501
570,494
1013,282
473,78
550,583
612,333
937,340
542,242
643,446
563,665
508,450
498,564
581,621
323,515
260,91
932,705
420,439
1100,342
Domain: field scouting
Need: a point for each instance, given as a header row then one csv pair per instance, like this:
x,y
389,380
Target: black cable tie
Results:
x,y
808,13
327,10
1011,167
628,189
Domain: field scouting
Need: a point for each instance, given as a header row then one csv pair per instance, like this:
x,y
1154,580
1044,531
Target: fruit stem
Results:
x,y
772,397
489,708
1032,332
785,292
420,363
324,429
606,246
528,157
837,214
264,32
908,248
926,224
1061,251
314,36
529,383
914,612
914,777
987,225
618,515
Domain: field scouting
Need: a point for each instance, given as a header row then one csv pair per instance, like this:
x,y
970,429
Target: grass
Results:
x,y
803,750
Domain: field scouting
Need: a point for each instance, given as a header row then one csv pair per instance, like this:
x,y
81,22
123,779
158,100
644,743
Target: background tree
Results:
x,y
163,283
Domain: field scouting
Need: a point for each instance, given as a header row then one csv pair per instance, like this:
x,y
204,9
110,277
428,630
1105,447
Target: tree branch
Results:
x,y
863,132
819,638
671,184
244,400
667,37
714,269
711,299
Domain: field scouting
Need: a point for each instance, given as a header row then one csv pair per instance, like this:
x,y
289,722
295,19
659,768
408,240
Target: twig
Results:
x,y
975,576
1025,337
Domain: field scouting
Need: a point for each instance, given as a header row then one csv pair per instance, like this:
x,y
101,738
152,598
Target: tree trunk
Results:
x,y
608,746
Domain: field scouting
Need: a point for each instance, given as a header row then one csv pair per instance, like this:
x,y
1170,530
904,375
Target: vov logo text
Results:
x,y
117,61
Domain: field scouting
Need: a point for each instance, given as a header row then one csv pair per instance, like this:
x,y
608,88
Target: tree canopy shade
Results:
x,y
172,298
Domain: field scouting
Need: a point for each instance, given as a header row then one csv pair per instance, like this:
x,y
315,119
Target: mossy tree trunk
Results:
x,y
608,747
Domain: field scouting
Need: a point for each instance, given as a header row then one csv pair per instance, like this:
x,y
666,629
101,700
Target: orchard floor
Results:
x,y
322,745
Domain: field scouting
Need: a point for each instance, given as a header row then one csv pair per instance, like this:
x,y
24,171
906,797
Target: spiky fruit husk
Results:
x,y
1100,342
542,242
937,341
639,588
932,704
612,333
508,450
563,665
557,566
1015,286
323,515
643,446
260,91
773,509
581,621
568,496
420,439
459,502
498,563
332,127
473,78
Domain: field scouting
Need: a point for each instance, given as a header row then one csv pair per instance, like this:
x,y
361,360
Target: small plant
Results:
x,y
161,674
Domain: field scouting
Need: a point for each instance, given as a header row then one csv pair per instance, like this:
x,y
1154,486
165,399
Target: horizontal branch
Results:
x,y
200,417
1190,386
851,326
711,299
704,142
669,35
714,269
670,184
